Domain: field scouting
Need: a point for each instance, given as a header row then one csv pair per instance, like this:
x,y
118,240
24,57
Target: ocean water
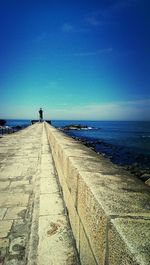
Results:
x,y
133,135
17,122
125,142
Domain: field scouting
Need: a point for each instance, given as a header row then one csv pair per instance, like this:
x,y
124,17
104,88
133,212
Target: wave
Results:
x,y
88,128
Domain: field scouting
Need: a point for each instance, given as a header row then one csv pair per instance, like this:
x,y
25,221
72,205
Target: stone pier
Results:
x,y
63,204
34,226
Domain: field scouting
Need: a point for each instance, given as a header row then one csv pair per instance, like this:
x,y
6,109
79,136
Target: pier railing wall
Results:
x,y
109,209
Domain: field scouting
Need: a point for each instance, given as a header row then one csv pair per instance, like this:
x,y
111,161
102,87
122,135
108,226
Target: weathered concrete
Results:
x,y
109,209
34,227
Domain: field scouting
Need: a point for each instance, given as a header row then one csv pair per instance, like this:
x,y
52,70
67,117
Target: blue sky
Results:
x,y
75,59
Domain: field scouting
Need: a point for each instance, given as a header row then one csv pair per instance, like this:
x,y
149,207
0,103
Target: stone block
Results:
x,y
118,194
2,212
15,184
75,149
59,168
72,180
92,162
4,185
94,220
55,242
51,204
48,185
73,215
86,254
47,158
47,173
129,241
62,160
47,168
10,172
8,200
15,213
5,227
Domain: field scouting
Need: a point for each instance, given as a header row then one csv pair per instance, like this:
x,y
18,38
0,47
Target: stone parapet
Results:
x,y
109,210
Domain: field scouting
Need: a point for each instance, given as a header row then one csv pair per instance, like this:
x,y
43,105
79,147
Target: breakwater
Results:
x,y
109,209
34,227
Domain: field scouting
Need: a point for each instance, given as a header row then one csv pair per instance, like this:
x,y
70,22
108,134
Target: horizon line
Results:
x,y
27,119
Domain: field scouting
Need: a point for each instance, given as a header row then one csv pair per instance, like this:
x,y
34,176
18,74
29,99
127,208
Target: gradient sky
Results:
x,y
75,59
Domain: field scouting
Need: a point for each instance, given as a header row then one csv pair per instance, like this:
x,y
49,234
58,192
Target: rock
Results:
x,y
75,127
145,177
147,182
18,127
2,122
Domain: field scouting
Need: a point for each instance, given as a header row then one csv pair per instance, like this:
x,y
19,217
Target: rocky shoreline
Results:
x,y
11,129
137,164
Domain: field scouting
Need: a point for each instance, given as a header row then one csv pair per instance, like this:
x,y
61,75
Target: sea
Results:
x,y
124,142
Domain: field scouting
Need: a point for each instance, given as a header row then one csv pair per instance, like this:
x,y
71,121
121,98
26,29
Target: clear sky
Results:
x,y
75,59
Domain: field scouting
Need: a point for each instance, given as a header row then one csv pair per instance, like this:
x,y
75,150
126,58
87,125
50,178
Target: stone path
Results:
x,y
34,227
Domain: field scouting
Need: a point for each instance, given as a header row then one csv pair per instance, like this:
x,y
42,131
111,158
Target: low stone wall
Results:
x,y
109,210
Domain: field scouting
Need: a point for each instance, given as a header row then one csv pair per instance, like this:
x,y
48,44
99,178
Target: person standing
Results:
x,y
41,115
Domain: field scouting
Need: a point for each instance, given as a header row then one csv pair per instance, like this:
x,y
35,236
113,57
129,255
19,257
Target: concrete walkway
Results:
x,y
34,227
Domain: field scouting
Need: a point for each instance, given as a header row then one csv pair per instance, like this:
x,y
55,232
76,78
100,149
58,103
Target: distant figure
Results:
x,y
41,114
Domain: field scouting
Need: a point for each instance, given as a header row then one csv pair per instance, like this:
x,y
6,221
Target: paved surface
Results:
x,y
34,227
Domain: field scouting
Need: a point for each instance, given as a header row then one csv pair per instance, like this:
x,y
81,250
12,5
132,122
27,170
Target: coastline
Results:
x,y
137,164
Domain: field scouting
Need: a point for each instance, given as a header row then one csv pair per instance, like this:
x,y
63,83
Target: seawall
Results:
x,y
109,210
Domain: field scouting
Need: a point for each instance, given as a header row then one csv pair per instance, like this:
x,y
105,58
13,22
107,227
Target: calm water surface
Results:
x,y
133,135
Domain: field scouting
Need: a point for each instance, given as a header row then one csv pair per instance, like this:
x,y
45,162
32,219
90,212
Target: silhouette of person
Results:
x,y
41,114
